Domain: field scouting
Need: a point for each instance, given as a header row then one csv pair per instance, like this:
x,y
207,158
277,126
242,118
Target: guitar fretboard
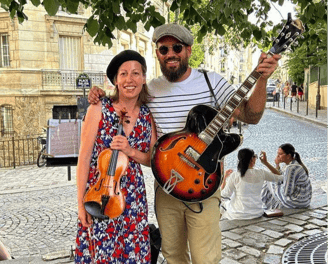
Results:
x,y
225,114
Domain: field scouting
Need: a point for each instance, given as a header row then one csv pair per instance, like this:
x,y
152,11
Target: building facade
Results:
x,y
41,58
234,65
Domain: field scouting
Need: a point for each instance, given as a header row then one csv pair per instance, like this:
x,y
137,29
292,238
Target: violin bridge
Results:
x,y
172,182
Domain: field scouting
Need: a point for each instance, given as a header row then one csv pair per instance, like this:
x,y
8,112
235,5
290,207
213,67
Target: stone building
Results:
x,y
41,58
234,65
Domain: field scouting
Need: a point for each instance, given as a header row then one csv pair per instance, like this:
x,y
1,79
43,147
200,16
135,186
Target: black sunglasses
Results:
x,y
177,48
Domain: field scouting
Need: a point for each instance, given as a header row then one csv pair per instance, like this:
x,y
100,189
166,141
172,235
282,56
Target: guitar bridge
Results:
x,y
172,182
188,162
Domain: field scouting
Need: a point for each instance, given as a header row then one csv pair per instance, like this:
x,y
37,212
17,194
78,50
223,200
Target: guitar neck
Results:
x,y
208,134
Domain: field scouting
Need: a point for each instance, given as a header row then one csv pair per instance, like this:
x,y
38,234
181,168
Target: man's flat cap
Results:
x,y
174,30
119,59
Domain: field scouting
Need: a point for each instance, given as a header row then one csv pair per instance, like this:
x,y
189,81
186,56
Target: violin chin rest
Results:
x,y
94,209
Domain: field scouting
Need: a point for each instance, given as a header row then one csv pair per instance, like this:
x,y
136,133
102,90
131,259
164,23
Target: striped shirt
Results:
x,y
295,191
172,101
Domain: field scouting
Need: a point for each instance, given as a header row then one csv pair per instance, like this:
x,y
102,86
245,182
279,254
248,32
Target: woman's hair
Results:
x,y
289,149
144,95
245,156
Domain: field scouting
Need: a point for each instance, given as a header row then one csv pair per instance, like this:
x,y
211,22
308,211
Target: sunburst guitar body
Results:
x,y
184,165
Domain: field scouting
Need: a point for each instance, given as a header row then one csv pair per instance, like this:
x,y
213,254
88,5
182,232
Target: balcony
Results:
x,y
66,79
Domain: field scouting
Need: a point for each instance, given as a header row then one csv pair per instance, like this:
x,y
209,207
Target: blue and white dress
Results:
x,y
295,191
125,239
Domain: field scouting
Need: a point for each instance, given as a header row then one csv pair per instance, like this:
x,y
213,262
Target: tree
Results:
x,y
213,16
312,52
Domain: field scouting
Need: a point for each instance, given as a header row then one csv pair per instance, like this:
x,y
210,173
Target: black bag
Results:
x,y
155,242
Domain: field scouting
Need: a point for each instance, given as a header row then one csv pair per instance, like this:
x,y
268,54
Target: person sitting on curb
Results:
x,y
241,190
295,191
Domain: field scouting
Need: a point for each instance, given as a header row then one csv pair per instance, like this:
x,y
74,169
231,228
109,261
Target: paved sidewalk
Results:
x,y
301,110
261,240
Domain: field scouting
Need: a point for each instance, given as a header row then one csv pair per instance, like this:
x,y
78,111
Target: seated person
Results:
x,y
241,192
295,191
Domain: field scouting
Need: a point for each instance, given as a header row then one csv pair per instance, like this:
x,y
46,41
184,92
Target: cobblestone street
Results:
x,y
39,209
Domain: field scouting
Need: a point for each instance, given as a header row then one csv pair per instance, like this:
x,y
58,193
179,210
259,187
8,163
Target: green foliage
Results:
x,y
219,17
197,55
312,50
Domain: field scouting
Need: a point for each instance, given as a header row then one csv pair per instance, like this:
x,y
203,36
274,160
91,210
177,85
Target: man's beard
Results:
x,y
172,75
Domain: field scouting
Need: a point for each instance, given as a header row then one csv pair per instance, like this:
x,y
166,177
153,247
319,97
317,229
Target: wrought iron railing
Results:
x,y
66,79
18,152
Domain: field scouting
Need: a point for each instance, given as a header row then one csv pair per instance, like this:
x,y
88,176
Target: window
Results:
x,y
70,53
222,67
4,51
64,111
6,121
222,53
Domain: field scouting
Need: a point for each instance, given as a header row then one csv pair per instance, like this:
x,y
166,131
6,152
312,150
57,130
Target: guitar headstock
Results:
x,y
291,31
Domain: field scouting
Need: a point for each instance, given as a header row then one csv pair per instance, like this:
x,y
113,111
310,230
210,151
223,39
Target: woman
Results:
x,y
295,191
124,239
286,89
300,92
241,192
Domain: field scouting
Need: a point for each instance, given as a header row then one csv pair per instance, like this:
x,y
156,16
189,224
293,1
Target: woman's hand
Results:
x,y
121,143
263,157
84,217
277,161
228,173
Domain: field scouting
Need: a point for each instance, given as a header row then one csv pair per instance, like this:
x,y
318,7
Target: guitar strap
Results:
x,y
217,105
210,87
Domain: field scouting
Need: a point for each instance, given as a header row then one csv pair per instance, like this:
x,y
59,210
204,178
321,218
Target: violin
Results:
x,y
105,199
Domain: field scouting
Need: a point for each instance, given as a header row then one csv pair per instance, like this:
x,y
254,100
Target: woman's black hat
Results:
x,y
119,59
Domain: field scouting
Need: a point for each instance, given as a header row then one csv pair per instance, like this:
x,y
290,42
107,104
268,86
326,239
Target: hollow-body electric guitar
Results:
x,y
187,164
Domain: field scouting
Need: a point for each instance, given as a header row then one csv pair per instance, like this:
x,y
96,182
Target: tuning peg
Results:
x,y
287,27
295,43
297,33
288,35
276,40
285,46
302,37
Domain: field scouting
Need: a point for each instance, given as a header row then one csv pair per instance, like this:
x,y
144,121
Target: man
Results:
x,y
192,229
294,92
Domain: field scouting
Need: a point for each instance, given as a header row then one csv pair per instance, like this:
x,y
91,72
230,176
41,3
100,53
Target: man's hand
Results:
x,y
267,65
95,94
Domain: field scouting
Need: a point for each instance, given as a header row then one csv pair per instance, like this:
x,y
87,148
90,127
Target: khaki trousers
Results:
x,y
181,227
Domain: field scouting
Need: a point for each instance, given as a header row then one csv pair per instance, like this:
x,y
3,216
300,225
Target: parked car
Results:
x,y
270,88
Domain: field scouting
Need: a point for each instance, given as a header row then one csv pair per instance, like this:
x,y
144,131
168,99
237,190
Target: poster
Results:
x,y
63,137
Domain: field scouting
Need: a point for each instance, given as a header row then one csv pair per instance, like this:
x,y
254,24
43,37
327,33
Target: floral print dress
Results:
x,y
124,239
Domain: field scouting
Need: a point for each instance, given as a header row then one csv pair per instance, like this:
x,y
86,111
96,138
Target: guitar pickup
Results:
x,y
192,153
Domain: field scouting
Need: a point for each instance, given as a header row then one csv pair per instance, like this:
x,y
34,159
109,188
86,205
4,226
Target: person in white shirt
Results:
x,y
241,190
